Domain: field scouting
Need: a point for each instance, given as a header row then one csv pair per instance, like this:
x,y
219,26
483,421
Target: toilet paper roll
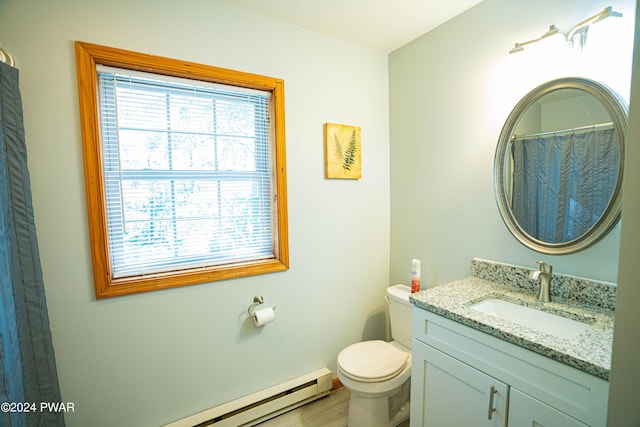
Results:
x,y
264,315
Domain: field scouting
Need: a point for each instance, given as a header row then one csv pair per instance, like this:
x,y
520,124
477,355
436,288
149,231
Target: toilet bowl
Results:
x,y
377,373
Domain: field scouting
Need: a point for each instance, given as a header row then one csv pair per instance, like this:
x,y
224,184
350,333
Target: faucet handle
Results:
x,y
544,267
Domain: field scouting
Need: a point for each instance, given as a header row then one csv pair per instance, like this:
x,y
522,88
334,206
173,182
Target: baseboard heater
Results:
x,y
258,407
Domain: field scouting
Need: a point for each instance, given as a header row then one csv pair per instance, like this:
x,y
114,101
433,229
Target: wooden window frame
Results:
x,y
88,56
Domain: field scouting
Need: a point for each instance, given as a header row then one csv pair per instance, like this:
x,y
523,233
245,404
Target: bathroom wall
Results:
x,y
624,391
152,358
451,91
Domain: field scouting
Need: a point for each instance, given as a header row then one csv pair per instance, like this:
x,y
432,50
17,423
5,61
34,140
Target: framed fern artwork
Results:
x,y
342,151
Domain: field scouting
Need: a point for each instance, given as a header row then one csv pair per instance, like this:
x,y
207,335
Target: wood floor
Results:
x,y
330,411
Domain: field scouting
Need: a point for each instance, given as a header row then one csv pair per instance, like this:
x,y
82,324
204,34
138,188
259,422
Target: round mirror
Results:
x,y
559,164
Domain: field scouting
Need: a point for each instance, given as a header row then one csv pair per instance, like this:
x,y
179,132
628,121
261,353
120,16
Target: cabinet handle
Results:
x,y
491,408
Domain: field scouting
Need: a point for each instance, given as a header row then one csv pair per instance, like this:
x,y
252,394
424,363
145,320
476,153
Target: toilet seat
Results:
x,y
372,361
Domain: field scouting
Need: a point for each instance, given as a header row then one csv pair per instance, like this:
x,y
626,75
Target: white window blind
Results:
x,y
188,173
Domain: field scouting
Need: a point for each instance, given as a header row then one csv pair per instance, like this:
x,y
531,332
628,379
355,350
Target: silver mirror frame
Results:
x,y
618,111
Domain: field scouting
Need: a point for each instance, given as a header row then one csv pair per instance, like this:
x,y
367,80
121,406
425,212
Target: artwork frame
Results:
x,y
343,146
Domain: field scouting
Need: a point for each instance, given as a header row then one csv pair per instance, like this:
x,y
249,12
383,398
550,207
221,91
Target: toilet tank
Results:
x,y
400,313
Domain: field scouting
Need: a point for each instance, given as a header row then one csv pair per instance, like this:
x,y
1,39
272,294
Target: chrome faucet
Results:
x,y
544,276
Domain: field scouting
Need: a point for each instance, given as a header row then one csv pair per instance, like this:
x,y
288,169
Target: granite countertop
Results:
x,y
589,352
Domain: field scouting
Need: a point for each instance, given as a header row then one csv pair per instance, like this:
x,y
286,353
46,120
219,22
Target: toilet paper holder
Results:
x,y
257,300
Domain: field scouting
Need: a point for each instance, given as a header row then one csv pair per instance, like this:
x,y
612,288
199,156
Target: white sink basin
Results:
x,y
531,318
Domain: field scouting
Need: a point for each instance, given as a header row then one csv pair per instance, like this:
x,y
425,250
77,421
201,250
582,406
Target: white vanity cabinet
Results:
x,y
525,411
453,393
464,377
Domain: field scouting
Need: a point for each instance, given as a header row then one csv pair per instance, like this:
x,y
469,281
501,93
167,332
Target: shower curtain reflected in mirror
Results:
x,y
562,183
27,362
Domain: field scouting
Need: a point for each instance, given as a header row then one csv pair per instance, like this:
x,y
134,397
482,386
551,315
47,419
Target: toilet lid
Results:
x,y
372,361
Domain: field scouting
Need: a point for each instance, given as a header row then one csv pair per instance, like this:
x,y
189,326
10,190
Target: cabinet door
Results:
x,y
448,393
525,411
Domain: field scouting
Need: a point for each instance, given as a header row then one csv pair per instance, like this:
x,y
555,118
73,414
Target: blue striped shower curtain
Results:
x,y
27,364
563,183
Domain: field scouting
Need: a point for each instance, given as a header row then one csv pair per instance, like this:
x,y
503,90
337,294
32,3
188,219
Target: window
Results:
x,y
184,170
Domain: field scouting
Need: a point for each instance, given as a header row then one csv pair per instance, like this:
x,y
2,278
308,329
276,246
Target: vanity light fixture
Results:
x,y
519,47
578,33
553,30
6,57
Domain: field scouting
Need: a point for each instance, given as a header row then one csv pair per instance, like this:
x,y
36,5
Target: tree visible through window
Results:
x,y
185,177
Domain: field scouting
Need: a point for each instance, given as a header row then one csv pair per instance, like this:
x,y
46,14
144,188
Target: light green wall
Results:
x,y
451,91
148,359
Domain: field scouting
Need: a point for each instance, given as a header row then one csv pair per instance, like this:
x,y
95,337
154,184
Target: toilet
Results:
x,y
377,373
